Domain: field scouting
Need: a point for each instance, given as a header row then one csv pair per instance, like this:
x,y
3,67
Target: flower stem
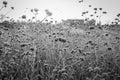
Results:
x,y
1,8
43,19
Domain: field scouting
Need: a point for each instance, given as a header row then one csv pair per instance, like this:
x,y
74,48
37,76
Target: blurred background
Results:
x,y
63,9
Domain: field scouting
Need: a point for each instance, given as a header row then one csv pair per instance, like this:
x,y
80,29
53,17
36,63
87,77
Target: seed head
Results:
x,y
31,10
100,8
48,12
12,8
36,10
104,12
95,9
23,16
5,3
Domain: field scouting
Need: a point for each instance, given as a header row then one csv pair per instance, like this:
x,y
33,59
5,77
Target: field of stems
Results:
x,y
75,49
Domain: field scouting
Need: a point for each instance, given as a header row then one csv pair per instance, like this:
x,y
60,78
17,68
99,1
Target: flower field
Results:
x,y
74,49
41,51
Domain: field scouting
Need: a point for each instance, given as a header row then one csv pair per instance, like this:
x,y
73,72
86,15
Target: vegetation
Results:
x,y
74,49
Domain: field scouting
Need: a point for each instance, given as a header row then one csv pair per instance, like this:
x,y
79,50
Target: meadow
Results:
x,y
75,49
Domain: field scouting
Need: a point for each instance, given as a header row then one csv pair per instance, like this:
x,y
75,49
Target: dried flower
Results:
x,y
95,9
33,17
36,10
86,12
118,15
80,1
95,12
91,15
51,21
104,12
23,16
5,3
89,5
7,17
46,20
12,8
116,19
97,16
31,10
48,12
100,8
55,21
83,12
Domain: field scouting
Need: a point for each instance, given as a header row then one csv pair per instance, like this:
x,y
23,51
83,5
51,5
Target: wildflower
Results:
x,y
97,16
55,21
116,19
109,48
86,12
62,40
80,1
89,5
7,17
23,45
95,9
100,8
83,12
12,8
36,10
5,3
91,15
31,10
23,16
104,12
32,49
118,15
48,12
95,12
51,21
33,17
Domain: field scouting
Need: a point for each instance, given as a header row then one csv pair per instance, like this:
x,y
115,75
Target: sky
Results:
x,y
62,9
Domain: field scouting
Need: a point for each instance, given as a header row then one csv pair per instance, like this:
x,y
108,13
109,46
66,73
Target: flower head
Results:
x,y
118,15
95,12
5,3
100,8
86,12
12,8
91,15
23,16
48,12
95,9
97,16
89,5
31,10
36,10
104,12
33,17
80,1
83,13
46,20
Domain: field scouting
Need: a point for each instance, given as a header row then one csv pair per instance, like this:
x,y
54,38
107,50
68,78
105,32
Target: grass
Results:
x,y
70,50
32,54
